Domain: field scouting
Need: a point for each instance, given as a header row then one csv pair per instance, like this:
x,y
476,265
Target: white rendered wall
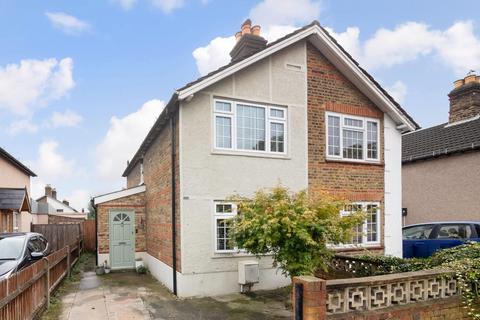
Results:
x,y
393,189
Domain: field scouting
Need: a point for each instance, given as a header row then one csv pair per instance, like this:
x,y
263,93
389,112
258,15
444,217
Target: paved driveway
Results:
x,y
126,295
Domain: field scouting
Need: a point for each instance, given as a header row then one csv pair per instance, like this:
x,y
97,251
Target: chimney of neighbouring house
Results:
x,y
465,98
65,202
54,193
249,41
48,190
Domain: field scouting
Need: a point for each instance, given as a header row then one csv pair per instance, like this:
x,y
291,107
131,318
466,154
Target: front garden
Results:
x,y
299,231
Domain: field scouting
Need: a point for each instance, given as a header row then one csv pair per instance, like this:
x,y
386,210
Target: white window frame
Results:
x,y
365,242
365,137
222,216
269,120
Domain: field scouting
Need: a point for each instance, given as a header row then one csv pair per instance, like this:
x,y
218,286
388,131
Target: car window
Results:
x,y
34,245
11,247
418,232
477,226
44,242
454,231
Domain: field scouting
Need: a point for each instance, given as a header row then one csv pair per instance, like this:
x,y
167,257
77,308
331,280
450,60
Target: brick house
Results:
x,y
298,110
441,164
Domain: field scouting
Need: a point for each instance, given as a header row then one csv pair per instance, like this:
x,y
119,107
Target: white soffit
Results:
x,y
118,194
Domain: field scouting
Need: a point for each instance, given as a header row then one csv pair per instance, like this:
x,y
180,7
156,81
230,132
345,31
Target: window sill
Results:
x,y
223,255
364,162
358,248
251,154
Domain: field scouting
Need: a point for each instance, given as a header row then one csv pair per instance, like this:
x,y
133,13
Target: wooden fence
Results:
x,y
89,235
27,293
59,235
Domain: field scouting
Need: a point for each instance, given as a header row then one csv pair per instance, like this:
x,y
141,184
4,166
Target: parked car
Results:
x,y
422,240
19,250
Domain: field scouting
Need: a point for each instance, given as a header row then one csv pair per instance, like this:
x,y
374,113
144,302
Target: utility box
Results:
x,y
248,272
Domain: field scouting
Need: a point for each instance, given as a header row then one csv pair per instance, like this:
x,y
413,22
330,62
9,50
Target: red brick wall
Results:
x,y
157,176
329,90
133,178
134,202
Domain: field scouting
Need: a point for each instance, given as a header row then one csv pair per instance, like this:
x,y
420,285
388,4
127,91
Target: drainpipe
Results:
x,y
174,227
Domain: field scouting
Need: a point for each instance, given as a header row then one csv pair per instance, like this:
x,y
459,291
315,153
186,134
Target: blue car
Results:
x,y
422,240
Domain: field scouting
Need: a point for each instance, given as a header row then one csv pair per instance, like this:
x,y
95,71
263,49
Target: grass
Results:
x,y
67,285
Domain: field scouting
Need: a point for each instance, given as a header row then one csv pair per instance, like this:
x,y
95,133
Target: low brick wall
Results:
x,y
428,294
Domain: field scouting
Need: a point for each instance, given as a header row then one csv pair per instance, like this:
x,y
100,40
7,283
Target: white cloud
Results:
x,y
398,91
51,165
456,47
34,82
123,139
126,4
79,199
67,23
22,126
285,12
168,6
68,118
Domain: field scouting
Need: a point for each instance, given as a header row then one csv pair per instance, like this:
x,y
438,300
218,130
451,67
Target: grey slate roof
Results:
x,y
16,163
441,140
11,198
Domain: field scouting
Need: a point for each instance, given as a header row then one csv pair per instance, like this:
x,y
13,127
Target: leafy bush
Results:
x,y
294,228
464,260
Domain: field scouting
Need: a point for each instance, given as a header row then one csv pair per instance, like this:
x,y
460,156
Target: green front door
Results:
x,y
122,239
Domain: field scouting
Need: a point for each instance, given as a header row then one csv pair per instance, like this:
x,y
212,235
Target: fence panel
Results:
x,y
58,235
25,294
89,235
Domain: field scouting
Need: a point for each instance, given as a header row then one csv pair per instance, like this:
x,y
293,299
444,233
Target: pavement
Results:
x,y
127,295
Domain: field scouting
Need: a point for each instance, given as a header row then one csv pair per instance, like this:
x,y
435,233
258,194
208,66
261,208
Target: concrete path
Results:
x,y
127,295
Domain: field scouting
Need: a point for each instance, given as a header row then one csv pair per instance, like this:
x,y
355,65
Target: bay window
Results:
x,y
240,126
352,138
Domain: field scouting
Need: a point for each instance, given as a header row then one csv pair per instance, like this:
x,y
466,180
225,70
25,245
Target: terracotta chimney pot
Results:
x,y
458,83
238,35
470,78
255,30
246,27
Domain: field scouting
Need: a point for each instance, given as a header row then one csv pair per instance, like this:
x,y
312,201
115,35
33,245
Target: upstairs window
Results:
x,y
249,127
352,138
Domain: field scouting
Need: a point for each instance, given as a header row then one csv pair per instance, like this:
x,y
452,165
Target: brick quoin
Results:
x,y
330,90
158,196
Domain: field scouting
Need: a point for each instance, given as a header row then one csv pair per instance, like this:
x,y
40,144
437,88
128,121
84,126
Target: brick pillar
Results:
x,y
314,297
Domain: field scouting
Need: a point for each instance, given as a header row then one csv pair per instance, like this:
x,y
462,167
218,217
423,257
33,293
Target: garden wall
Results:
x,y
427,294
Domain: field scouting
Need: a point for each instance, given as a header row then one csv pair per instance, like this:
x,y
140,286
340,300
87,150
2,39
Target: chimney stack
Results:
x,y
249,41
465,98
65,202
48,190
54,193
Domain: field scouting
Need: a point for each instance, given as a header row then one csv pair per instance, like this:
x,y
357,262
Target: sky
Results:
x,y
82,82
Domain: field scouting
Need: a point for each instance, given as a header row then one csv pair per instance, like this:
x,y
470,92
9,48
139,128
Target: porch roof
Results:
x,y
15,199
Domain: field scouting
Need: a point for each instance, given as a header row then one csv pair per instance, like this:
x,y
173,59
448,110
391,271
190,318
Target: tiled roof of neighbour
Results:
x,y
169,109
441,140
11,198
16,163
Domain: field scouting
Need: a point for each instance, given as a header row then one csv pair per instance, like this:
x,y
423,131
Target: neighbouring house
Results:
x,y
441,164
15,209
48,204
299,111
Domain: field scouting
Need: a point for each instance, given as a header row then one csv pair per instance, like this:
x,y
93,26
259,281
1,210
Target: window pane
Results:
x,y
223,208
352,144
372,140
223,132
223,106
353,122
277,137
224,242
250,127
372,223
276,113
333,136
418,232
